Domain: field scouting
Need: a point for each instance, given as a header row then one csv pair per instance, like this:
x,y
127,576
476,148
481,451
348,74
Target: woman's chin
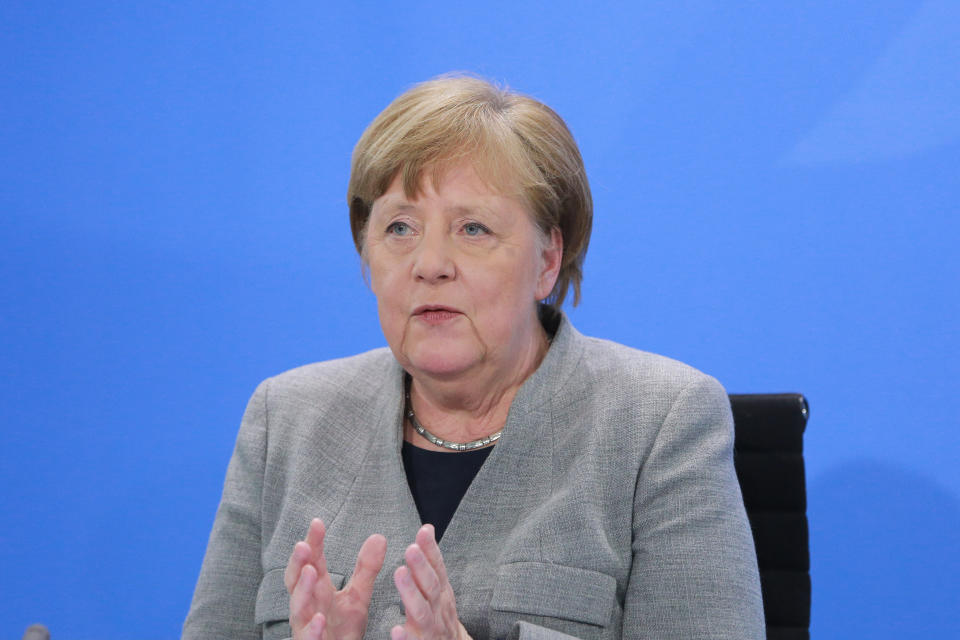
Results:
x,y
443,363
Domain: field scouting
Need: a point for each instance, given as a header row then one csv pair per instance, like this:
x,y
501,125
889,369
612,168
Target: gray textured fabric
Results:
x,y
609,508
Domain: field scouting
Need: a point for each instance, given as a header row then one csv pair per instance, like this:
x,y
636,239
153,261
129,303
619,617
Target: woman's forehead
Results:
x,y
482,174
462,185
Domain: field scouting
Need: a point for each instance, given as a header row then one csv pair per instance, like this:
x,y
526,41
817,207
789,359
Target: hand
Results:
x,y
426,594
317,610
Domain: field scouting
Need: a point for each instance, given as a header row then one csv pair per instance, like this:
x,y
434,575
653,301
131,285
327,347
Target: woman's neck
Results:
x,y
471,407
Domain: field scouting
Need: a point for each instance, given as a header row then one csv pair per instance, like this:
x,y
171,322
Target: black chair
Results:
x,y
768,456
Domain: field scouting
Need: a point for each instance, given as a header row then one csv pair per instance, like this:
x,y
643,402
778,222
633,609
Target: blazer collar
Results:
x,y
561,361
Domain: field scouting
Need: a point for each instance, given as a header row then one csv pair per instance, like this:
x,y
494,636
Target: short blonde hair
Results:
x,y
517,144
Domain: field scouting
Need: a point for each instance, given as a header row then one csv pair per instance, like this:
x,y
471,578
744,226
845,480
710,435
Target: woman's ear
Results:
x,y
551,257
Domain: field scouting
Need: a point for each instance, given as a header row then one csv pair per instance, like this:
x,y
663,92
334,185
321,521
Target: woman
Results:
x,y
576,486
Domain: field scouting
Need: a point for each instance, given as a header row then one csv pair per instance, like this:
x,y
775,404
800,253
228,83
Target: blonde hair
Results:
x,y
517,144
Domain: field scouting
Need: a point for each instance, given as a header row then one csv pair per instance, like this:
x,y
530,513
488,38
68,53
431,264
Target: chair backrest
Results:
x,y
768,456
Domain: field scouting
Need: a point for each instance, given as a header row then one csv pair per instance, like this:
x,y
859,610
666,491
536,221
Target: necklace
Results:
x,y
446,444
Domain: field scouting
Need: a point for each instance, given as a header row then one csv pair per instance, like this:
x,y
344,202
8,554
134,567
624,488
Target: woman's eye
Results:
x,y
474,229
398,229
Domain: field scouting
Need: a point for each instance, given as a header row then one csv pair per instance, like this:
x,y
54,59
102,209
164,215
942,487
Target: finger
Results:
x,y
414,604
315,536
323,592
315,533
369,562
303,552
423,574
314,630
428,544
300,556
399,633
302,605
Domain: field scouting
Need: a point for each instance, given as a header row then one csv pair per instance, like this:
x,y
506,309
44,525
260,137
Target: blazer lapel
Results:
x,y
516,475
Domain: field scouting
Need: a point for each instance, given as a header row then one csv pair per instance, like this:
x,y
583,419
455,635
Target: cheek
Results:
x,y
386,293
380,272
388,297
506,294
392,321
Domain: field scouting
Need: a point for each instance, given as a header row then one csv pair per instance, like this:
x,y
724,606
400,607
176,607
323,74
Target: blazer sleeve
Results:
x,y
694,571
225,595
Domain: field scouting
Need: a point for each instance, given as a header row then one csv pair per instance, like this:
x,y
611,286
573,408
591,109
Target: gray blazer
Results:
x,y
608,509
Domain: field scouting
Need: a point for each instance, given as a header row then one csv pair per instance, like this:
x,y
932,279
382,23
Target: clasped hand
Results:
x,y
320,612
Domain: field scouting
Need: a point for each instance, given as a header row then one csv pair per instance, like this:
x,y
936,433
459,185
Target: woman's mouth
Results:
x,y
436,315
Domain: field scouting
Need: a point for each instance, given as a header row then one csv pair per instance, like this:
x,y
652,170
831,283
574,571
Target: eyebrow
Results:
x,y
394,207
458,209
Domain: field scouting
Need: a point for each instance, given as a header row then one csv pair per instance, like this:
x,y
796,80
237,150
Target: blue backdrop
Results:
x,y
776,192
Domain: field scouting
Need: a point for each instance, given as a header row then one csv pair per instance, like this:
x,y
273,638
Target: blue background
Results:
x,y
776,190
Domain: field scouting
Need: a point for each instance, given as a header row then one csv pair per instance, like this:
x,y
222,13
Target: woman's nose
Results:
x,y
433,261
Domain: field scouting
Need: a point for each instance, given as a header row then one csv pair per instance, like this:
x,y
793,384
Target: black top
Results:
x,y
439,479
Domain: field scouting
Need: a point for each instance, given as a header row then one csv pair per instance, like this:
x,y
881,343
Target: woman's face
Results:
x,y
457,272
